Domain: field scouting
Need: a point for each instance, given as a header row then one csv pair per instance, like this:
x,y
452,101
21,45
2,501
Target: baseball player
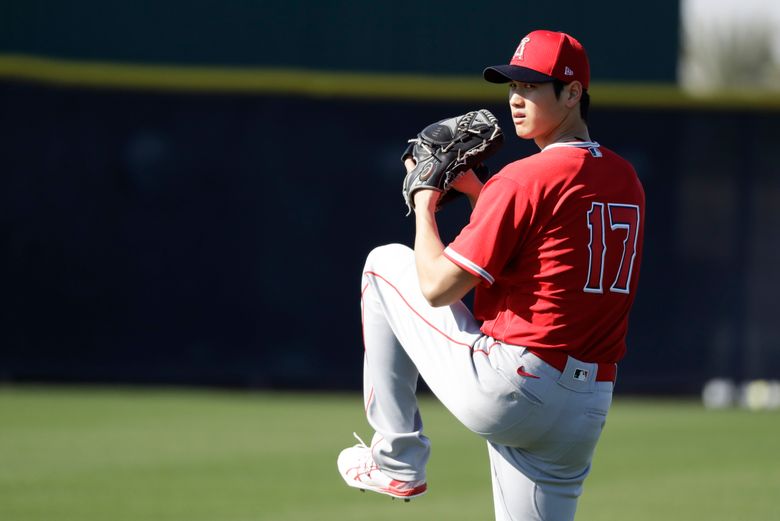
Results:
x,y
552,248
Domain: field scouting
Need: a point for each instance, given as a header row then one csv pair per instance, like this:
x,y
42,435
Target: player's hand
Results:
x,y
469,184
448,149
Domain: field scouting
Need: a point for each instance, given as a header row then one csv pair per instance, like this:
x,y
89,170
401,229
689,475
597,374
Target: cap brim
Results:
x,y
507,73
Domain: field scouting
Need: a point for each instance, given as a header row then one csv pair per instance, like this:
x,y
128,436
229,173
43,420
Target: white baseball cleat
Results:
x,y
357,467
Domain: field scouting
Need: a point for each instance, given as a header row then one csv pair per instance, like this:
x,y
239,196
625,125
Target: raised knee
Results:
x,y
388,253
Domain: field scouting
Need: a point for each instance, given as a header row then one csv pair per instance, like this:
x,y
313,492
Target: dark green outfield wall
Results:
x,y
627,41
215,239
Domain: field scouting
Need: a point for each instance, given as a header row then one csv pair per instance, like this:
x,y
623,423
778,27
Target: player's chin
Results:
x,y
523,132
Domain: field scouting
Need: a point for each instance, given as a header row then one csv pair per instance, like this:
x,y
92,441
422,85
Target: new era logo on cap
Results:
x,y
568,72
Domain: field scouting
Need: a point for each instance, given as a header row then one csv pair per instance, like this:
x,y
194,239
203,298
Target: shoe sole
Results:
x,y
363,487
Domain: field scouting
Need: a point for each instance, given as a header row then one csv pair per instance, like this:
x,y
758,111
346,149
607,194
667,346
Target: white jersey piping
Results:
x,y
576,144
468,263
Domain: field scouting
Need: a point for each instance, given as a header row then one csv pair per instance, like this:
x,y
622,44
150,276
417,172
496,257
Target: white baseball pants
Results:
x,y
541,430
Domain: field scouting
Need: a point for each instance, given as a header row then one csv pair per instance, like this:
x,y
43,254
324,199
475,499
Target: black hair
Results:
x,y
584,99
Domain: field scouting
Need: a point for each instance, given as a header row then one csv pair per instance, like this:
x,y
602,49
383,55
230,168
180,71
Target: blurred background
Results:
x,y
188,189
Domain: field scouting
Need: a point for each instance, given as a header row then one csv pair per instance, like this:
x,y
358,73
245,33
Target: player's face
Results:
x,y
536,112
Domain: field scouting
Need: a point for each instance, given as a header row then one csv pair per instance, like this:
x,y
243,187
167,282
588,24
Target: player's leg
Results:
x,y
517,496
544,479
390,384
395,461
394,313
404,335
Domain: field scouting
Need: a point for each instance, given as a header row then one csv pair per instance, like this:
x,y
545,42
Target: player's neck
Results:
x,y
576,131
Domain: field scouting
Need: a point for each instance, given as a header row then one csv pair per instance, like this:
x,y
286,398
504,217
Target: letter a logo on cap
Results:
x,y
521,48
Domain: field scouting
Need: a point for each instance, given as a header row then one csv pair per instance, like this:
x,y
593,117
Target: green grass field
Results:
x,y
149,454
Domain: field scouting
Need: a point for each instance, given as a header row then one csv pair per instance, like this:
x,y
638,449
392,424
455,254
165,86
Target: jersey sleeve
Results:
x,y
497,226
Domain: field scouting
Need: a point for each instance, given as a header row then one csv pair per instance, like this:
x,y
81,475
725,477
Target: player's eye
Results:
x,y
514,85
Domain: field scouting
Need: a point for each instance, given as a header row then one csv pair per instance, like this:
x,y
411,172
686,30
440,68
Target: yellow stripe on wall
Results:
x,y
329,84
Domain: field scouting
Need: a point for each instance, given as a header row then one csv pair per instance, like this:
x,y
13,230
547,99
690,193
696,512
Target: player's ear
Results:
x,y
573,93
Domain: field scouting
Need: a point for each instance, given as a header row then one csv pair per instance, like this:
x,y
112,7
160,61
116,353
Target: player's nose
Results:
x,y
515,99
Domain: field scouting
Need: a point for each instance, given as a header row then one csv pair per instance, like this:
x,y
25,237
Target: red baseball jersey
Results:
x,y
557,240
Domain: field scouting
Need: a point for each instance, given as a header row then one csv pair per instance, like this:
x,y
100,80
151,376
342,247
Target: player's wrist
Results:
x,y
426,199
